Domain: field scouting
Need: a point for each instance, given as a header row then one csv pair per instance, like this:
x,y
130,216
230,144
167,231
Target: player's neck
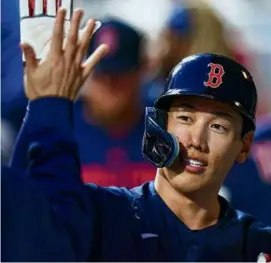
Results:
x,y
196,211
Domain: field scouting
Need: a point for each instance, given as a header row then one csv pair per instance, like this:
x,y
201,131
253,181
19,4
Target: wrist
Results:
x,y
51,111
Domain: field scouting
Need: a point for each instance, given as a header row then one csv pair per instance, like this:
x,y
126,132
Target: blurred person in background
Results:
x,y
13,102
248,186
191,27
111,110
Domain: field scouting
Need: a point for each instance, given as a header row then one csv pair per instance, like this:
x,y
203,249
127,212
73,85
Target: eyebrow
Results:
x,y
217,113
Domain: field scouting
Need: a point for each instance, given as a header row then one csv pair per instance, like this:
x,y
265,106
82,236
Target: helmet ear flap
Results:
x,y
158,146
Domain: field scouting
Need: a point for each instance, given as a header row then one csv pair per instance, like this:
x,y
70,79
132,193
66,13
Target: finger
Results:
x,y
90,63
31,61
73,34
84,41
58,33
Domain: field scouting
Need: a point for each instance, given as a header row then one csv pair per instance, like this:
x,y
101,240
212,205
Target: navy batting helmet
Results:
x,y
208,75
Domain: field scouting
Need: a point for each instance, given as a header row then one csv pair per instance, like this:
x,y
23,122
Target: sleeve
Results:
x,y
258,243
27,231
13,101
52,162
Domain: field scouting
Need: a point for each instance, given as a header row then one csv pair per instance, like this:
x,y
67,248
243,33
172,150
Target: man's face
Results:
x,y
174,49
209,133
108,96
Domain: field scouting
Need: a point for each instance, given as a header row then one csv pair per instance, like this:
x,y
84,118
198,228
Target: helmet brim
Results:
x,y
165,100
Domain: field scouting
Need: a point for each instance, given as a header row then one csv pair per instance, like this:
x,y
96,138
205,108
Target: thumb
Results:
x,y
31,61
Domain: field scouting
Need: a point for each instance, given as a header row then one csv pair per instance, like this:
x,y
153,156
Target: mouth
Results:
x,y
194,162
194,166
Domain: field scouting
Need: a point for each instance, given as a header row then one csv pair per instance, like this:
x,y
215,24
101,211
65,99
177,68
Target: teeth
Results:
x,y
193,162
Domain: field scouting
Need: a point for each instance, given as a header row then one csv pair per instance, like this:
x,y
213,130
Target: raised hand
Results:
x,y
61,72
37,21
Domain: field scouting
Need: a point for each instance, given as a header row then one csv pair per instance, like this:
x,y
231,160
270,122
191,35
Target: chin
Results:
x,y
103,118
187,183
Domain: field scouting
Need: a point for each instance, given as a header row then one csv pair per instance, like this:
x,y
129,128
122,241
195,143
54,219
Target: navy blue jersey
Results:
x,y
46,150
117,224
29,227
136,225
111,159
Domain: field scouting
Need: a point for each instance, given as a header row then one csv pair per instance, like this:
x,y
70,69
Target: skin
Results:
x,y
209,131
113,99
174,49
62,72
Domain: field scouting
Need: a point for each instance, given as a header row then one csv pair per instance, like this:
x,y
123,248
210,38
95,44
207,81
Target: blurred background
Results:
x,y
247,26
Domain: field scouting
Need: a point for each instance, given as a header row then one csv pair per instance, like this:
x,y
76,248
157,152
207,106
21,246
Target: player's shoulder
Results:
x,y
119,194
258,240
259,230
257,235
252,225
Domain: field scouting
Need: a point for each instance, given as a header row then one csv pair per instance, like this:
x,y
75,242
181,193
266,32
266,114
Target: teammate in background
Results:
x,y
178,216
192,27
13,102
248,186
109,119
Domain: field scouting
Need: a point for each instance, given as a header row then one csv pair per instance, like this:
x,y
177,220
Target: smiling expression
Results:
x,y
209,133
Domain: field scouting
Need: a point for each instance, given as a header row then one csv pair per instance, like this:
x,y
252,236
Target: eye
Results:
x,y
219,128
184,118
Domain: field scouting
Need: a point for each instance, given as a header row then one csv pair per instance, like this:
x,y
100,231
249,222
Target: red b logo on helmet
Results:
x,y
215,76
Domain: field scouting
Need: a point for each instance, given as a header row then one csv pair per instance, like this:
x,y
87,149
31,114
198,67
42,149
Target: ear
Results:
x,y
246,147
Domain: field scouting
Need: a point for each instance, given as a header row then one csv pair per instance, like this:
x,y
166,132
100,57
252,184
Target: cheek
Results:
x,y
225,154
102,94
180,132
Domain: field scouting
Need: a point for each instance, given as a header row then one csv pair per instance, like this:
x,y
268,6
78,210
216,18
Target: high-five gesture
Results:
x,y
62,71
37,22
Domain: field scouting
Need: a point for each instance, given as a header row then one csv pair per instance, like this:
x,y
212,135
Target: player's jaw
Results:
x,y
189,173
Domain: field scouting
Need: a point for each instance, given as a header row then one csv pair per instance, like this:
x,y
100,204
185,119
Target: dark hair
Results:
x,y
247,126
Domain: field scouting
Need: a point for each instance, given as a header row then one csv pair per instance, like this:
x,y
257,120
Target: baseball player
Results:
x,y
202,123
111,109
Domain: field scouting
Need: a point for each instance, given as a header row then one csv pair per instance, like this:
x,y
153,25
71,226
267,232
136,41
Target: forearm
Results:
x,y
46,143
50,114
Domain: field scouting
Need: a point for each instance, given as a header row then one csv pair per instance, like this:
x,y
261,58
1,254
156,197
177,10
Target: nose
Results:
x,y
197,138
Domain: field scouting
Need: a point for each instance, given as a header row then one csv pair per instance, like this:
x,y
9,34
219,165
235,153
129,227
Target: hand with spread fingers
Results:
x,y
62,72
